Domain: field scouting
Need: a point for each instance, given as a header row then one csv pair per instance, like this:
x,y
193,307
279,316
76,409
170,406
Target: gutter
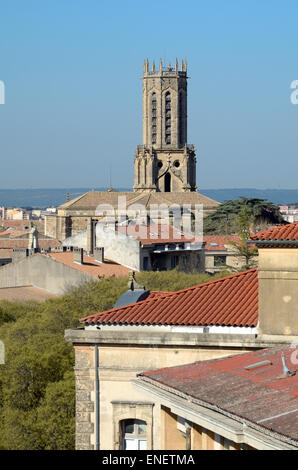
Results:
x,y
96,386
269,243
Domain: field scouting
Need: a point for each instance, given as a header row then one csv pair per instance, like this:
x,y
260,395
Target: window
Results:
x,y
168,183
174,262
220,260
145,263
168,117
153,118
134,434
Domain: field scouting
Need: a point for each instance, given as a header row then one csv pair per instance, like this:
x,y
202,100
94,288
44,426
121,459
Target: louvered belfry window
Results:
x,y
153,118
168,117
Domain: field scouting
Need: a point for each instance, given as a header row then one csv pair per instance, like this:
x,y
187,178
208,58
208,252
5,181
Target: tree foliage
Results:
x,y
244,223
224,220
37,389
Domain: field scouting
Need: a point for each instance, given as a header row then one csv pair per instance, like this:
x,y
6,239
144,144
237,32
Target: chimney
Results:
x,y
90,236
78,255
99,254
277,282
18,253
33,238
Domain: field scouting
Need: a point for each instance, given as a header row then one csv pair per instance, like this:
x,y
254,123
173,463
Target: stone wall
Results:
x,y
85,409
119,247
41,271
278,291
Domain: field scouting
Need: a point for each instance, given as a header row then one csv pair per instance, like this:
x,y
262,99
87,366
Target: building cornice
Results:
x,y
143,337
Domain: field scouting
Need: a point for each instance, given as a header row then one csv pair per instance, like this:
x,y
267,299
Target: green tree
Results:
x,y
224,220
37,388
244,223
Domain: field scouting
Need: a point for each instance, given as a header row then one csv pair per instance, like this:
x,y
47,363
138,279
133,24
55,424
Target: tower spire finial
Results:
x,y
182,65
153,66
176,65
160,65
147,65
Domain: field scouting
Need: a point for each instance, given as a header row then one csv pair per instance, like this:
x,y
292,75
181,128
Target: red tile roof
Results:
x,y
5,253
230,301
155,233
23,224
258,395
25,294
220,242
23,243
10,233
90,266
283,232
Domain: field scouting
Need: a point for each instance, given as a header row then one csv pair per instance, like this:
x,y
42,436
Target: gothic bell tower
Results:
x,y
165,162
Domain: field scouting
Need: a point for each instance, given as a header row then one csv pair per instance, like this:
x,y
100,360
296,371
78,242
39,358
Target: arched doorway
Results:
x,y
168,183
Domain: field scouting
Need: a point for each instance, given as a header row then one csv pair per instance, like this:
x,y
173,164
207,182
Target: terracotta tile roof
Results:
x,y
24,294
155,233
283,232
154,294
257,395
23,224
14,223
230,301
92,199
90,266
5,253
10,233
23,243
219,242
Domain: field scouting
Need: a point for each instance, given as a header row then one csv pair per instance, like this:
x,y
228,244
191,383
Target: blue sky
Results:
x,y
72,72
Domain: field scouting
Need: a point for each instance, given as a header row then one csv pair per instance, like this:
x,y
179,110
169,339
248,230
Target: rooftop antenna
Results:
x,y
286,371
110,179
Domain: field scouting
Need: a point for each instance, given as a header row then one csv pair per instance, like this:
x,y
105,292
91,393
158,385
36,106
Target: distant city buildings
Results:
x,y
289,213
17,213
8,213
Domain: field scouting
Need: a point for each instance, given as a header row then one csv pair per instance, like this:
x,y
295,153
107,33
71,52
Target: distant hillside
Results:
x,y
277,196
41,198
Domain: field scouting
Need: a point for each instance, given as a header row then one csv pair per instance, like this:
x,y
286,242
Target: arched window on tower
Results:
x,y
153,118
167,183
168,117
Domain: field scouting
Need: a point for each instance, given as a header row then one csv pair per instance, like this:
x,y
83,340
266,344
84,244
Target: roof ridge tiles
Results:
x,y
279,232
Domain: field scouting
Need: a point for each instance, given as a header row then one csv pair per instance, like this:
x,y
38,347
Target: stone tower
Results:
x,y
165,162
